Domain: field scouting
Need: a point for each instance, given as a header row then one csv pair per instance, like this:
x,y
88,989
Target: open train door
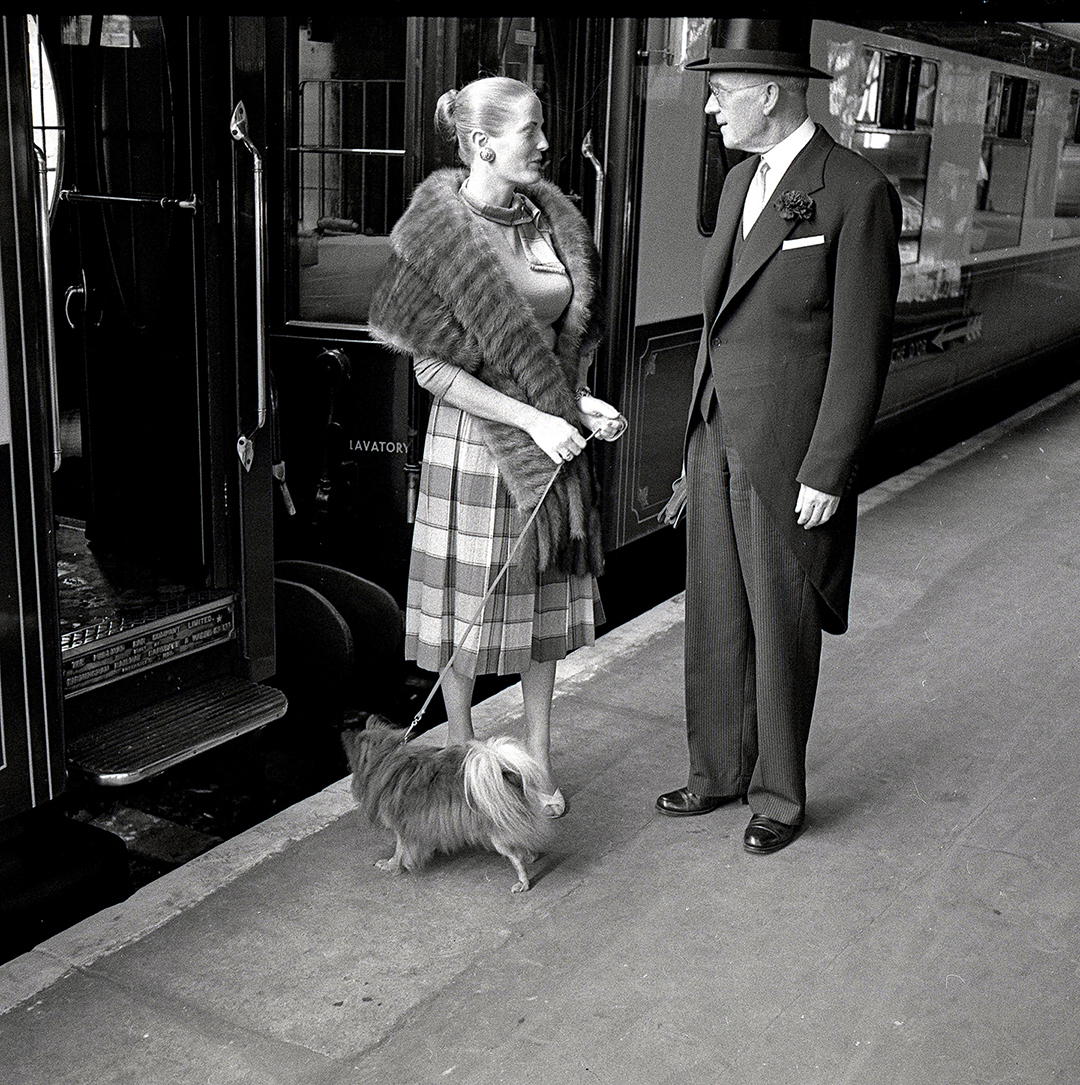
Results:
x,y
51,870
159,528
31,749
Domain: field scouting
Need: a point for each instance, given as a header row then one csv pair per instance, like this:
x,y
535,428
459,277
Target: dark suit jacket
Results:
x,y
799,339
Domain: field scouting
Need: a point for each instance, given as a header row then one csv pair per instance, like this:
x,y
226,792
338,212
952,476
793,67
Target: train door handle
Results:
x,y
245,448
589,154
76,290
80,290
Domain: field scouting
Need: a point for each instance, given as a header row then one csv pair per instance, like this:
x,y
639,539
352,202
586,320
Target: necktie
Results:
x,y
755,198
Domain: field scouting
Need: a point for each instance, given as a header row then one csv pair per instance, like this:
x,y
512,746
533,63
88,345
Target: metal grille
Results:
x,y
351,154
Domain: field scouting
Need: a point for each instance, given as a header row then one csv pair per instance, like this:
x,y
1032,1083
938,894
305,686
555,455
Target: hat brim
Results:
x,y
736,64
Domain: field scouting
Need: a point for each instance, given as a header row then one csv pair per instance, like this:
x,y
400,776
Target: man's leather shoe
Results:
x,y
684,802
763,835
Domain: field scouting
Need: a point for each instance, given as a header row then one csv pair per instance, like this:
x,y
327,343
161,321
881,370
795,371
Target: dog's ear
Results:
x,y
351,741
358,718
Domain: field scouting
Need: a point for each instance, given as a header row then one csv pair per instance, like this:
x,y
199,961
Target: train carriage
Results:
x,y
197,210
977,127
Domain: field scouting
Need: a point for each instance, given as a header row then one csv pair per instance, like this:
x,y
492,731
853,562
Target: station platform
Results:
x,y
923,930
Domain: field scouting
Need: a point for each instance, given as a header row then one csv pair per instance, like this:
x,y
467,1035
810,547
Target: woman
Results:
x,y
491,288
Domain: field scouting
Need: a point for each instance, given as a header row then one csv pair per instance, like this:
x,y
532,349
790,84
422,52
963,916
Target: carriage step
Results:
x,y
143,743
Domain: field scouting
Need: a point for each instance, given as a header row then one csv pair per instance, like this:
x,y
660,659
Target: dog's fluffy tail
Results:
x,y
486,786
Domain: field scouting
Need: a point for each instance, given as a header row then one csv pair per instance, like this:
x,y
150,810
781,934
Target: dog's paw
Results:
x,y
391,865
521,886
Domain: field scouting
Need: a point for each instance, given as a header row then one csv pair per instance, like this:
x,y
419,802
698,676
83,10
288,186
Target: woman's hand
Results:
x,y
560,440
602,420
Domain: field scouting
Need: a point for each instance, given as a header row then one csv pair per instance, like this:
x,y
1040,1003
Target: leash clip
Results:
x,y
412,726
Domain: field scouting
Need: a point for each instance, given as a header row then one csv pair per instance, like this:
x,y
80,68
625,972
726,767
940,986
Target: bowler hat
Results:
x,y
774,46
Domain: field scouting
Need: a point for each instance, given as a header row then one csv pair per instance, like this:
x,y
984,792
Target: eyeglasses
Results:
x,y
722,93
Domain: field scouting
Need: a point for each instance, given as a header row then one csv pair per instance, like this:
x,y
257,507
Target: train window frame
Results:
x,y
893,128
899,90
1005,157
502,45
1065,223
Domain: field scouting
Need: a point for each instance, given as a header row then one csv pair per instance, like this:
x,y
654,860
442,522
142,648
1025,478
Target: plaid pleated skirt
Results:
x,y
466,526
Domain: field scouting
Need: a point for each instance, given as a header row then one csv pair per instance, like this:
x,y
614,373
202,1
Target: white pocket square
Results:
x,y
803,242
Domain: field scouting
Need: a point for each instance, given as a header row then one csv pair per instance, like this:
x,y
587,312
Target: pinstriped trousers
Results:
x,y
753,638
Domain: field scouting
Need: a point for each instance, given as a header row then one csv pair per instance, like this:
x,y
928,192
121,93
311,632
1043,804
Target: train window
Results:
x,y
349,162
716,160
898,91
1010,106
45,110
1067,189
1003,167
894,115
903,157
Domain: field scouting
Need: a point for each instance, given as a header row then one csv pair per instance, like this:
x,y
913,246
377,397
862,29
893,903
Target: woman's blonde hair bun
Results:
x,y
445,124
487,105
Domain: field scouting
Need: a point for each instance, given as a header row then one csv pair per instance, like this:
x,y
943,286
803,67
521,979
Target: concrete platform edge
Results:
x,y
162,900
151,907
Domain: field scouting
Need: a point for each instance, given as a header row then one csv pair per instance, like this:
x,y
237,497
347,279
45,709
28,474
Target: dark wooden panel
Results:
x,y
656,393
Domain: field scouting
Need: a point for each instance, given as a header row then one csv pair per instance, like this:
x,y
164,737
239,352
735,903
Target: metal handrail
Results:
x,y
50,315
244,447
587,151
73,195
386,152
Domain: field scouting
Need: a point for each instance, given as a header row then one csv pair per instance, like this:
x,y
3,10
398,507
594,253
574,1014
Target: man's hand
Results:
x,y
672,512
814,508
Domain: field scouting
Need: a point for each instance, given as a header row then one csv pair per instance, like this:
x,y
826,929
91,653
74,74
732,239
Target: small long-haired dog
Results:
x,y
476,795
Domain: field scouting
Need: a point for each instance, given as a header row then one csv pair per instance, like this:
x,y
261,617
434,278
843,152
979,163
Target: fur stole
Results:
x,y
445,295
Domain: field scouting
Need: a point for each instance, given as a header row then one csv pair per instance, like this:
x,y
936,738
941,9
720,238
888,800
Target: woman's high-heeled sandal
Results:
x,y
554,806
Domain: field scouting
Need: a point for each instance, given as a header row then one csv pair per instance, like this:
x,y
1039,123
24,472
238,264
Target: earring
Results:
x,y
487,154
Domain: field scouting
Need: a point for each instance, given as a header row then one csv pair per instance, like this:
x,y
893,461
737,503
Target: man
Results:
x,y
800,282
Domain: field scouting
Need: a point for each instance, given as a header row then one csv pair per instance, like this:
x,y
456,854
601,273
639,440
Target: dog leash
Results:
x,y
483,602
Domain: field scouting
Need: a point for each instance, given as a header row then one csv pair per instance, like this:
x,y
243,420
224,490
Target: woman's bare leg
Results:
x,y
537,692
457,692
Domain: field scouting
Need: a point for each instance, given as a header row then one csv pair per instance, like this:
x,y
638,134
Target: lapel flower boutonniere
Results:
x,y
795,205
